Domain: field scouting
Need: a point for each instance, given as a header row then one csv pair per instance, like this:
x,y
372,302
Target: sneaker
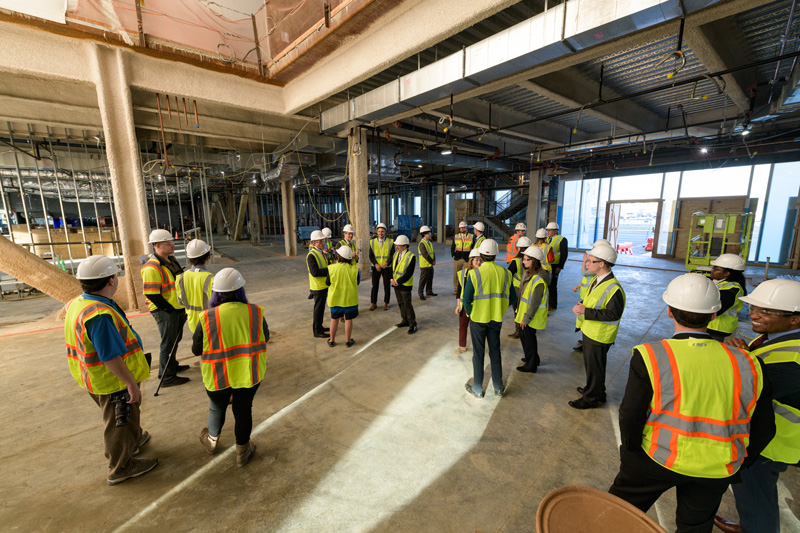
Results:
x,y
177,380
244,453
136,468
468,387
209,442
142,441
500,392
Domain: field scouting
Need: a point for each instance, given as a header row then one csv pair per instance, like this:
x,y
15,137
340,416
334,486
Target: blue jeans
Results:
x,y
481,334
170,327
757,496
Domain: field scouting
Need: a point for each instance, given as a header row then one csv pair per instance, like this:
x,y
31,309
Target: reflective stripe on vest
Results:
x,y
194,295
463,242
489,303
586,282
424,263
163,284
381,253
461,274
785,446
517,276
728,321
85,365
478,241
317,283
234,347
598,298
539,320
399,270
554,245
545,264
681,433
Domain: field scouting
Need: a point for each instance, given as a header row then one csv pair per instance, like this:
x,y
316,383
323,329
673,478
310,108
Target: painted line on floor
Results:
x,y
374,340
186,483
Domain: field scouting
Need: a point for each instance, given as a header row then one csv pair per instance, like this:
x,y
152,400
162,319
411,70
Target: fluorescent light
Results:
x,y
704,150
745,132
446,151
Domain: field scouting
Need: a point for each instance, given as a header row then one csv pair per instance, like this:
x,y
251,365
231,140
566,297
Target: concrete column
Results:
x,y
255,217
385,208
534,200
359,193
423,202
441,215
116,112
289,218
243,202
230,219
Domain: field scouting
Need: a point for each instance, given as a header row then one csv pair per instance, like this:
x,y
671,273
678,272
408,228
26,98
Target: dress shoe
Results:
x,y
580,403
350,343
181,368
523,369
331,343
401,325
602,398
310,296
326,330
421,297
412,330
385,307
551,309
321,335
726,525
175,382
372,307
432,294
472,392
578,347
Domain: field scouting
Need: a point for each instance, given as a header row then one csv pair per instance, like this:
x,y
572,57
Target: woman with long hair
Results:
x,y
728,273
516,269
463,319
231,341
343,280
532,310
541,243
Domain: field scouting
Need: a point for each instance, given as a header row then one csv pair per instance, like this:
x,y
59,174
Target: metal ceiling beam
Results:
x,y
481,125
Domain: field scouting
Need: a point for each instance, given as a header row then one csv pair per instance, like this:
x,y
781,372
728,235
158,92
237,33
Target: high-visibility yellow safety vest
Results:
x,y
234,347
351,244
516,276
539,320
194,293
478,241
381,253
586,282
491,296
84,363
317,283
785,446
553,254
605,332
729,320
158,279
545,265
399,268
343,291
704,394
463,242
424,263
461,274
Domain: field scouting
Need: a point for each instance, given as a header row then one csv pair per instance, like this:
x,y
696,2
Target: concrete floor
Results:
x,y
377,437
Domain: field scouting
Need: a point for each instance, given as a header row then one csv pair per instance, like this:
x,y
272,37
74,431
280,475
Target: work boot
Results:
x,y
244,452
515,335
209,442
135,468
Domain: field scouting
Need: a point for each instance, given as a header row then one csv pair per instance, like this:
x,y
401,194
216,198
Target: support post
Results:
x,y
359,194
255,218
289,218
243,201
441,215
534,200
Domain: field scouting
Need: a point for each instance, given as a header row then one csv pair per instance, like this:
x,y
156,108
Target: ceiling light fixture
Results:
x,y
446,151
745,132
704,150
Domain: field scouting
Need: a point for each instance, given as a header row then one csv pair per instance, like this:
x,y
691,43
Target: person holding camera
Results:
x,y
105,357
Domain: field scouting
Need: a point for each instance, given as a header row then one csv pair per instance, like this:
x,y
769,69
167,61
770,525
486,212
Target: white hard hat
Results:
x,y
731,261
462,224
535,252
317,235
780,294
601,241
159,235
197,248
604,252
227,280
327,232
424,229
474,253
345,251
551,225
488,247
348,229
520,226
694,293
523,242
541,233
479,226
381,225
402,240
96,267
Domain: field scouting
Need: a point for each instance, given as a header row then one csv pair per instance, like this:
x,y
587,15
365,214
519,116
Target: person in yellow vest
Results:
x,y
519,231
317,266
541,242
695,412
583,289
349,240
194,285
327,247
727,271
105,357
602,310
478,229
381,255
343,280
158,276
463,318
403,282
516,269
775,312
462,244
232,344
532,307
556,254
427,259
488,292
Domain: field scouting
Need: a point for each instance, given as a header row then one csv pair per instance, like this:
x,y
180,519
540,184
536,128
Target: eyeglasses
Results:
x,y
769,312
590,261
526,258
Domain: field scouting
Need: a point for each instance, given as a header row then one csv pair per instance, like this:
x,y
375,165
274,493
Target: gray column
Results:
x,y
385,209
359,193
441,215
534,201
255,217
423,202
289,218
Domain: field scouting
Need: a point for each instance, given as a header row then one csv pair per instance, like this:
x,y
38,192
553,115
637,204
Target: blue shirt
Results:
x,y
104,334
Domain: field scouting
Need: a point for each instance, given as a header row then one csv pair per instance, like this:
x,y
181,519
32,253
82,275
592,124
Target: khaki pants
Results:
x,y
458,264
120,442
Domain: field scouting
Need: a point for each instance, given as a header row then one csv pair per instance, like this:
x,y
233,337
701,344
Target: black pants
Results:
x,y
386,274
242,412
641,481
482,334
553,289
530,347
595,355
406,309
170,327
425,281
320,298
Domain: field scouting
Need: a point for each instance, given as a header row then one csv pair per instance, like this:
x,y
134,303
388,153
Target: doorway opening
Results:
x,y
631,226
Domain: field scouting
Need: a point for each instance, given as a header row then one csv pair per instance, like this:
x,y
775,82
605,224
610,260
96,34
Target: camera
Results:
x,y
122,409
